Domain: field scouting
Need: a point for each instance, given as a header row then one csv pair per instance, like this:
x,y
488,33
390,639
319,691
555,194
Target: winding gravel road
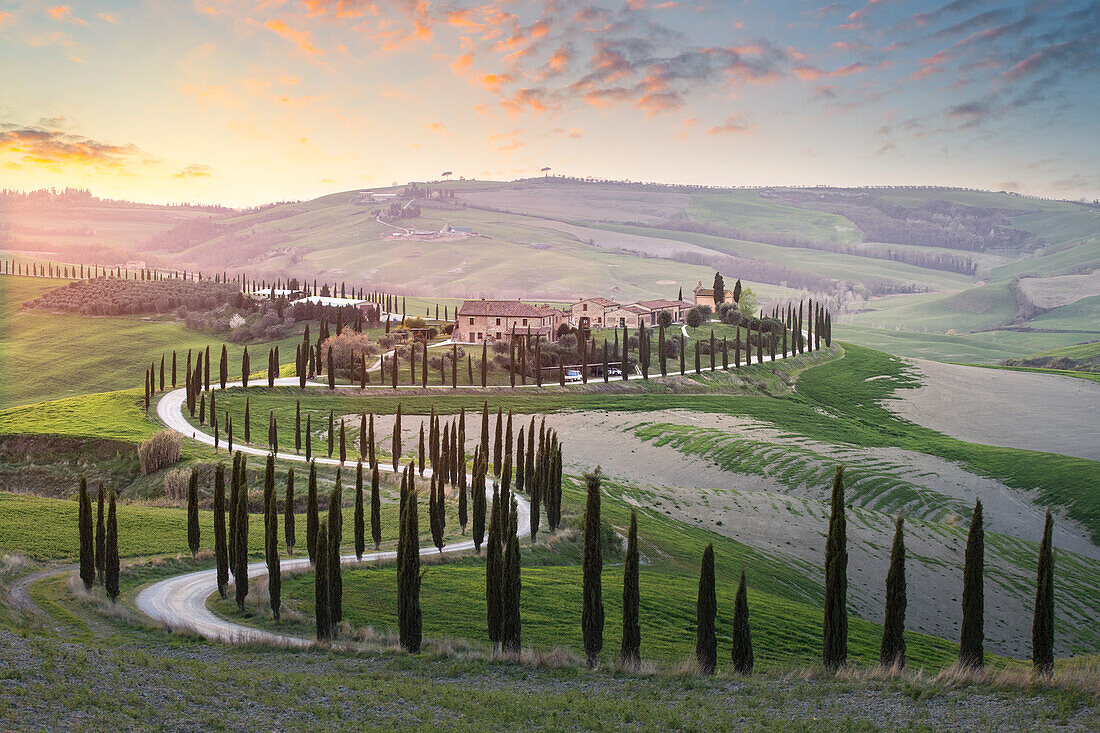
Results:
x,y
180,602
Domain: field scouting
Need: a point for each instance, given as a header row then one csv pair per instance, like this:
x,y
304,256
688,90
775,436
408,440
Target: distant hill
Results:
x,y
995,274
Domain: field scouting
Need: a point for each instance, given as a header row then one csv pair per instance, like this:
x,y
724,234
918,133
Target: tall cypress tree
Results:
x,y
271,540
335,540
321,596
223,367
630,654
1042,626
396,445
110,572
892,653
359,519
410,621
221,548
741,652
592,614
706,608
87,536
331,432
312,520
240,571
375,509
478,497
288,513
835,641
493,568
193,513
510,636
309,438
972,639
100,532
498,443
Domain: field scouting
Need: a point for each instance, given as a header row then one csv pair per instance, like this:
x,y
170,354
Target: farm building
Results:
x,y
675,308
705,296
272,293
631,316
494,320
589,313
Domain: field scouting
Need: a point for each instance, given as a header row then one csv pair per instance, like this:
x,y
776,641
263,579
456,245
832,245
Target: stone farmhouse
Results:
x,y
494,320
705,296
604,313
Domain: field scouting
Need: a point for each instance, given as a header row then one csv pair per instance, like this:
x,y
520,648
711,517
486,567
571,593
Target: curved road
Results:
x,y
180,602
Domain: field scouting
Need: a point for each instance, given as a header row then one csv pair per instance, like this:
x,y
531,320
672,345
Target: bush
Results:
x,y
176,484
160,451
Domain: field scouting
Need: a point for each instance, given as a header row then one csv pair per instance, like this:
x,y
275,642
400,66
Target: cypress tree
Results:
x,y
298,426
1042,626
240,571
110,572
493,570
435,511
312,520
592,614
87,538
370,443
331,369
410,622
498,441
288,531
706,608
223,367
221,550
972,640
335,539
835,641
630,654
479,489
173,370
343,444
892,653
420,452
741,653
234,493
247,420
100,533
520,461
244,370
396,447
309,437
375,509
271,540
193,513
360,524
331,432
321,596
510,624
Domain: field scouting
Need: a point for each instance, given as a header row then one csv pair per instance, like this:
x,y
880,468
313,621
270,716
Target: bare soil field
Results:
x,y
1025,410
1052,292
582,205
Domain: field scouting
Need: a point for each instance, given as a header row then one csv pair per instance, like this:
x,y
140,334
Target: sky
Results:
x,y
243,102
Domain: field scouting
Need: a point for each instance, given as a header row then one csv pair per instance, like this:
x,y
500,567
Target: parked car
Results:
x,y
572,375
614,372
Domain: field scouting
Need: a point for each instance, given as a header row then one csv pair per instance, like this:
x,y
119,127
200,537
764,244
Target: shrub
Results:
x,y
160,451
175,485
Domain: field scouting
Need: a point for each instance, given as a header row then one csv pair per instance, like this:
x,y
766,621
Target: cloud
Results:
x,y
107,18
64,14
438,127
54,150
195,170
734,125
6,19
302,39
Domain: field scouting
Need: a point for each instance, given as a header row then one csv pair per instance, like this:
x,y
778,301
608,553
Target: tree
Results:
x,y
694,318
335,540
498,443
741,653
312,520
271,539
747,303
706,608
493,569
244,370
87,539
435,510
719,290
240,542
360,525
478,486
110,572
193,513
972,639
221,549
396,444
510,625
288,513
630,654
223,367
592,614
409,619
321,594
1042,626
892,653
100,532
835,641
375,509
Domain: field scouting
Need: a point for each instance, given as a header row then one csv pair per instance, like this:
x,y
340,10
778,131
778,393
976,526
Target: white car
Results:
x,y
614,372
572,375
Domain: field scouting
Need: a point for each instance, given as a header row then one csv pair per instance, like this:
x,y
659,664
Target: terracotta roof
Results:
x,y
633,309
506,308
661,303
598,301
709,291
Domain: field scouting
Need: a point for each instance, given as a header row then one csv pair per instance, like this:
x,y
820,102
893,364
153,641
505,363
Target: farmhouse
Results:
x,y
705,296
631,316
494,320
272,293
675,308
590,312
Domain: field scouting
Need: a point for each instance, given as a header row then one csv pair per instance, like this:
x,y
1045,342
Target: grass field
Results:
x,y
983,347
1081,316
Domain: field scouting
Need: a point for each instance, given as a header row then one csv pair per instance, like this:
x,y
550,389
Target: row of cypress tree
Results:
x,y
98,542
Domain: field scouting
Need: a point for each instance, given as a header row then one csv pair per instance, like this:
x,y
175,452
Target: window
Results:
x,y
471,321
498,323
524,321
584,307
498,335
480,335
